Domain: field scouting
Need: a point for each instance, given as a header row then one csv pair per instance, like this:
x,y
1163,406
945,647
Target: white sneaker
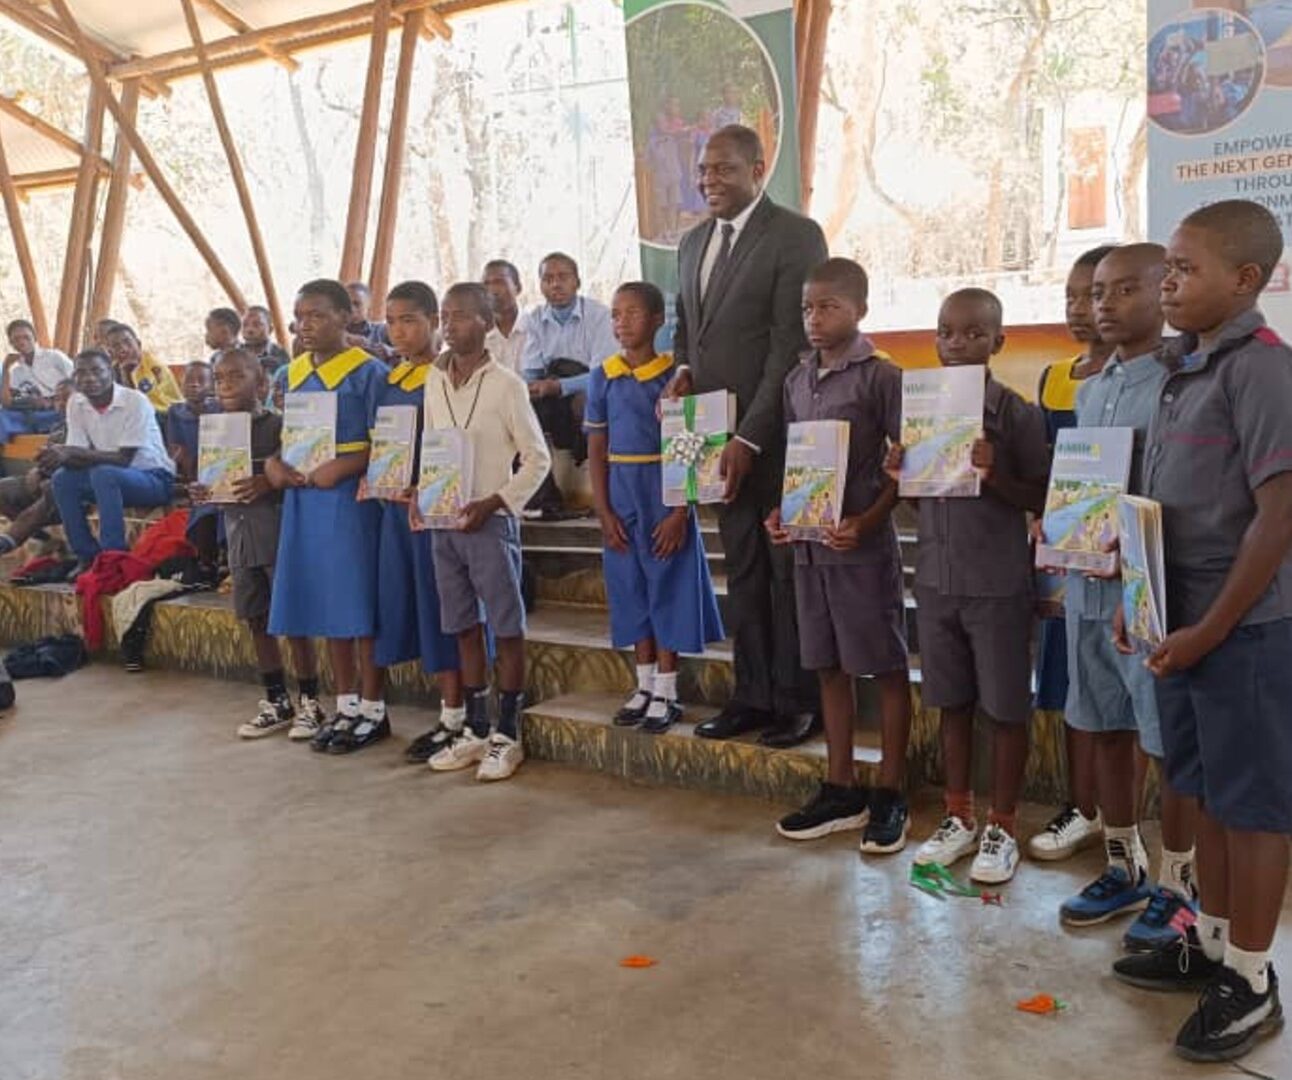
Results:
x,y
270,717
951,841
309,720
997,857
503,759
1067,833
463,750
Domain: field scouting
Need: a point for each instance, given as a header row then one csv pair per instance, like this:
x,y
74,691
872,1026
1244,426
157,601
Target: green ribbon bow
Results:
x,y
669,451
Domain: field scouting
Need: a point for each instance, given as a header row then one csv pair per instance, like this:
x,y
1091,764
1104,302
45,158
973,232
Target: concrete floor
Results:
x,y
177,905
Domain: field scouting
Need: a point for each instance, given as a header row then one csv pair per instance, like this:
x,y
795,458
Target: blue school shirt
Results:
x,y
359,381
621,404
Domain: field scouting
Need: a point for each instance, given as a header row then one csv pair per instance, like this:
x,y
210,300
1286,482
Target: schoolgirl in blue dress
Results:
x,y
325,579
657,579
408,601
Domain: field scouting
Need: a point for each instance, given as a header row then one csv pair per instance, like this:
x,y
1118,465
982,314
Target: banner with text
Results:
x,y
1220,117
694,67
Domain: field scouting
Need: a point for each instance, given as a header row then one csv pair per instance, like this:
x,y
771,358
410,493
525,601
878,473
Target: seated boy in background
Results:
x,y
849,588
1219,461
973,588
223,325
28,500
183,422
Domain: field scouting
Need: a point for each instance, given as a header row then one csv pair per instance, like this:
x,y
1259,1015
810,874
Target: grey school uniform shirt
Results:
x,y
1124,394
252,528
980,547
866,391
1223,428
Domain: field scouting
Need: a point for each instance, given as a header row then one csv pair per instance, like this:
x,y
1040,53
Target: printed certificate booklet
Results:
x,y
1139,523
1091,467
816,467
309,430
693,432
444,479
223,453
942,410
390,464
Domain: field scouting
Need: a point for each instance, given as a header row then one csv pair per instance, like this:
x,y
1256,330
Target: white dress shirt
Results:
x,y
738,224
47,369
508,349
129,421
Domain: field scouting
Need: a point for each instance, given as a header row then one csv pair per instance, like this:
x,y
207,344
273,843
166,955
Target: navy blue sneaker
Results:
x,y
1159,923
1108,896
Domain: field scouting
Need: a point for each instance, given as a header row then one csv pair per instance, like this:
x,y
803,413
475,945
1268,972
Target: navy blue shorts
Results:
x,y
1227,729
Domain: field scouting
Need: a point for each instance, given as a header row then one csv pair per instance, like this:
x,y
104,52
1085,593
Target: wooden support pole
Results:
x,y
114,213
809,104
29,281
240,26
78,309
44,180
388,214
80,227
365,150
146,159
57,135
236,171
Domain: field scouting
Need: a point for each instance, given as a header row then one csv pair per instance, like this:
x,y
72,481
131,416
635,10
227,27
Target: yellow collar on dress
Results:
x,y
408,376
330,372
616,367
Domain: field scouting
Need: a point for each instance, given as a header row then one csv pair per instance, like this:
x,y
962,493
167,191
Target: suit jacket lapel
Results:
x,y
745,242
691,282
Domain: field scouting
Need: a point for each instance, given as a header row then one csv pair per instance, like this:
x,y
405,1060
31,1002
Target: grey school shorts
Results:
x,y
1108,690
477,568
976,649
252,589
1227,729
850,617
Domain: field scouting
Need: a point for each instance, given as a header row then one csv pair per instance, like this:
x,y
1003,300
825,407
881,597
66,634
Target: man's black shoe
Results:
x,y
789,731
733,720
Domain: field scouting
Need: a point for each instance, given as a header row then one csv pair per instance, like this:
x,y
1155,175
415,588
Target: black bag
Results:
x,y
50,657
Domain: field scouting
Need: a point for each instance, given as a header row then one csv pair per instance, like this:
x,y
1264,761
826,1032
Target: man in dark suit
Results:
x,y
739,328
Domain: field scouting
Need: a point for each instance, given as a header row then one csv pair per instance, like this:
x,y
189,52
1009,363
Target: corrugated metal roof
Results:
x,y
29,151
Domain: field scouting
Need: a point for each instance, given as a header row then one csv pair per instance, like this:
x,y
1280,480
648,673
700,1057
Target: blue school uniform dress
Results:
x,y
670,599
408,602
325,579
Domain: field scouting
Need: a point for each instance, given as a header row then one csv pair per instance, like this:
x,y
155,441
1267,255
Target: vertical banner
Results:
x,y
1220,117
695,66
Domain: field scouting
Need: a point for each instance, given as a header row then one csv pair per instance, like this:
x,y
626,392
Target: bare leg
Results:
x,y
644,651
344,674
895,727
511,664
1115,777
1009,762
957,747
450,684
667,661
1080,746
1212,863
471,650
372,678
838,709
304,659
1179,819
1258,878
269,657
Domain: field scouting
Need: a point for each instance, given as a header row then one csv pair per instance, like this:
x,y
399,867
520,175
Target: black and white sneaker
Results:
x,y
1180,965
885,832
271,716
428,744
633,711
1231,1019
361,733
832,809
330,730
661,716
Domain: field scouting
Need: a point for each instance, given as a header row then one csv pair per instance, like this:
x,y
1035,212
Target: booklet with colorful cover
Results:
x,y
816,468
942,417
1090,471
223,453
309,429
1139,526
444,478
693,432
390,462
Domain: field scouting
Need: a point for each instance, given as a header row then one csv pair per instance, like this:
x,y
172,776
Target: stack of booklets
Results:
x,y
390,462
309,430
1090,470
816,467
942,411
693,432
444,479
223,453
1139,523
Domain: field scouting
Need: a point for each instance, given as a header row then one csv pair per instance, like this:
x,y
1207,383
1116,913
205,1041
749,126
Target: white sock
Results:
x,y
645,677
372,710
666,685
453,717
1124,850
1176,873
1213,932
347,704
1252,966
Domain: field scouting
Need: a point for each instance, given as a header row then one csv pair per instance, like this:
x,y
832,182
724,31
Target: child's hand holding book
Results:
x,y
775,529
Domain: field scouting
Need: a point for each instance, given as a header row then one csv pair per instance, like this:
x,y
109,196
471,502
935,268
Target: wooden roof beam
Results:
x,y
45,180
11,107
18,233
239,25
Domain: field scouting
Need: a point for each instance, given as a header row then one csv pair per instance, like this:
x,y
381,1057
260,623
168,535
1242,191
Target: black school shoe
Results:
x,y
661,716
427,745
328,732
1231,1019
361,733
633,711
832,809
1180,965
885,832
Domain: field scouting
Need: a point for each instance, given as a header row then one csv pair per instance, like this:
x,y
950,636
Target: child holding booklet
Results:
x,y
973,588
478,564
848,589
1219,461
657,576
408,601
251,526
325,578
